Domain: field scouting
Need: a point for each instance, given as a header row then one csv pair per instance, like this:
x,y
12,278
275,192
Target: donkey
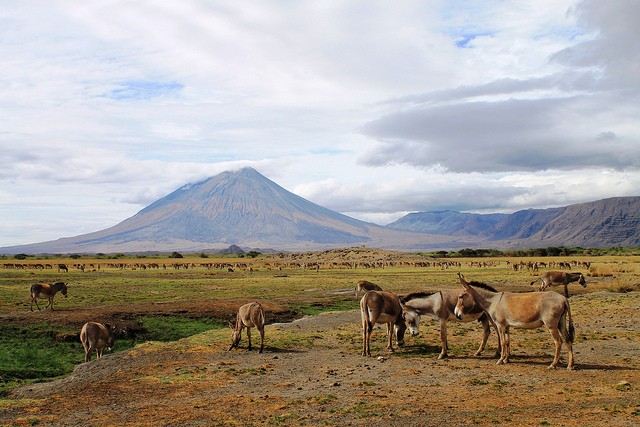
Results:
x,y
440,306
96,336
366,286
555,278
45,290
381,307
523,310
249,316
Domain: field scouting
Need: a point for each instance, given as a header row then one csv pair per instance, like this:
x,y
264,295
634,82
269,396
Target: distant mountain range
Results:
x,y
246,209
604,223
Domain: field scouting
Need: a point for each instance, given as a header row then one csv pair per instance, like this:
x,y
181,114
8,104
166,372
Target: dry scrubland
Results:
x,y
311,372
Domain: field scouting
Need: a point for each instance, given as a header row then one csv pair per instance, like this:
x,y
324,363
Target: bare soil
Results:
x,y
312,373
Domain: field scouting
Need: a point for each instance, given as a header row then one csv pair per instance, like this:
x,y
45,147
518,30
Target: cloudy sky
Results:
x,y
371,108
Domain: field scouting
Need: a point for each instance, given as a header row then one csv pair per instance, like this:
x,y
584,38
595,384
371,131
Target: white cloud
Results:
x,y
368,108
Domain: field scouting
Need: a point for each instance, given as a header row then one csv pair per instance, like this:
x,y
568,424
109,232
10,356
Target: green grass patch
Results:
x,y
41,352
170,328
33,353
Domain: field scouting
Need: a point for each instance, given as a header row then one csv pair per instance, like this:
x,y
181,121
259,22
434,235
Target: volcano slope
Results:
x,y
312,373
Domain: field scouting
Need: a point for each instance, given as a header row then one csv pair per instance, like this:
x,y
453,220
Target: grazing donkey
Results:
x,y
366,286
381,307
96,336
556,278
440,306
523,310
250,315
45,290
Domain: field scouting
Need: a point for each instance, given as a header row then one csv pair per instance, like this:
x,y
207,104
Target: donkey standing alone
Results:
x,y
46,290
250,315
96,336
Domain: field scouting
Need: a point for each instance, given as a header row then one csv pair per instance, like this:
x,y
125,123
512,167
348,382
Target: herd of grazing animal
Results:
x,y
477,301
96,336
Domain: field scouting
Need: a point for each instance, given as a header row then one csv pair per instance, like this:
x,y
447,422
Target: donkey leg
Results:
x,y
390,337
90,354
367,342
485,336
261,339
556,337
444,353
503,347
365,327
249,337
570,365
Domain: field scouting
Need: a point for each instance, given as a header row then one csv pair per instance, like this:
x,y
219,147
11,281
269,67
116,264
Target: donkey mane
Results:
x,y
482,286
415,295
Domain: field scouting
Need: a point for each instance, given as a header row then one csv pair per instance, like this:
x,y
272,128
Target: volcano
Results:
x,y
241,208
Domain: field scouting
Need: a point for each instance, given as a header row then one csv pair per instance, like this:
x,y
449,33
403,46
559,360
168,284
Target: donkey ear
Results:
x,y
463,282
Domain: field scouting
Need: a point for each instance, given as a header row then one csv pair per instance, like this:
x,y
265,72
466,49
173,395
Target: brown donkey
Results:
x,y
556,278
45,290
523,310
381,307
96,336
249,316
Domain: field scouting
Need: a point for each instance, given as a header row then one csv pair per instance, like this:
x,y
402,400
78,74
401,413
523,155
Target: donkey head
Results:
x,y
582,281
111,329
464,304
235,335
399,329
412,318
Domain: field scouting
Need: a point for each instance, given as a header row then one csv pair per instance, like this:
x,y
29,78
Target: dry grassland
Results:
x,y
312,373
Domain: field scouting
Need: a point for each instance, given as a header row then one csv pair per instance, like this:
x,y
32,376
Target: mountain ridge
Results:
x,y
245,208
608,222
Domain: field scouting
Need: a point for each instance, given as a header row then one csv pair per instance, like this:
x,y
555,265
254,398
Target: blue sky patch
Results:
x,y
142,90
463,40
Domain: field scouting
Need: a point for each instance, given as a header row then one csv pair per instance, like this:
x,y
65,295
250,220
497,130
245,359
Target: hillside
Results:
x,y
604,223
448,223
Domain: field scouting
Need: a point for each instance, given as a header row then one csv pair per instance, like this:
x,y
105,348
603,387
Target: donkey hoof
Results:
x,y
552,366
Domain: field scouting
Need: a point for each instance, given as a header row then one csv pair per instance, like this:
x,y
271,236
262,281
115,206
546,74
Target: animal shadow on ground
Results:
x,y
268,349
419,350
595,367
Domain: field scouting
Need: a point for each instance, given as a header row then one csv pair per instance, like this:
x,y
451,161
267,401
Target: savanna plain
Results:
x,y
172,366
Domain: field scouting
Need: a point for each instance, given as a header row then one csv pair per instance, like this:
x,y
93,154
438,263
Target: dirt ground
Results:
x,y
311,373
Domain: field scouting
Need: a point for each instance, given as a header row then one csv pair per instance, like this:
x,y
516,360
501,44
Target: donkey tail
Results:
x,y
568,332
368,322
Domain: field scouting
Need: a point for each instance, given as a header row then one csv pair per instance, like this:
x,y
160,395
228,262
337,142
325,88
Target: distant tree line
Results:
x,y
551,251
536,252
